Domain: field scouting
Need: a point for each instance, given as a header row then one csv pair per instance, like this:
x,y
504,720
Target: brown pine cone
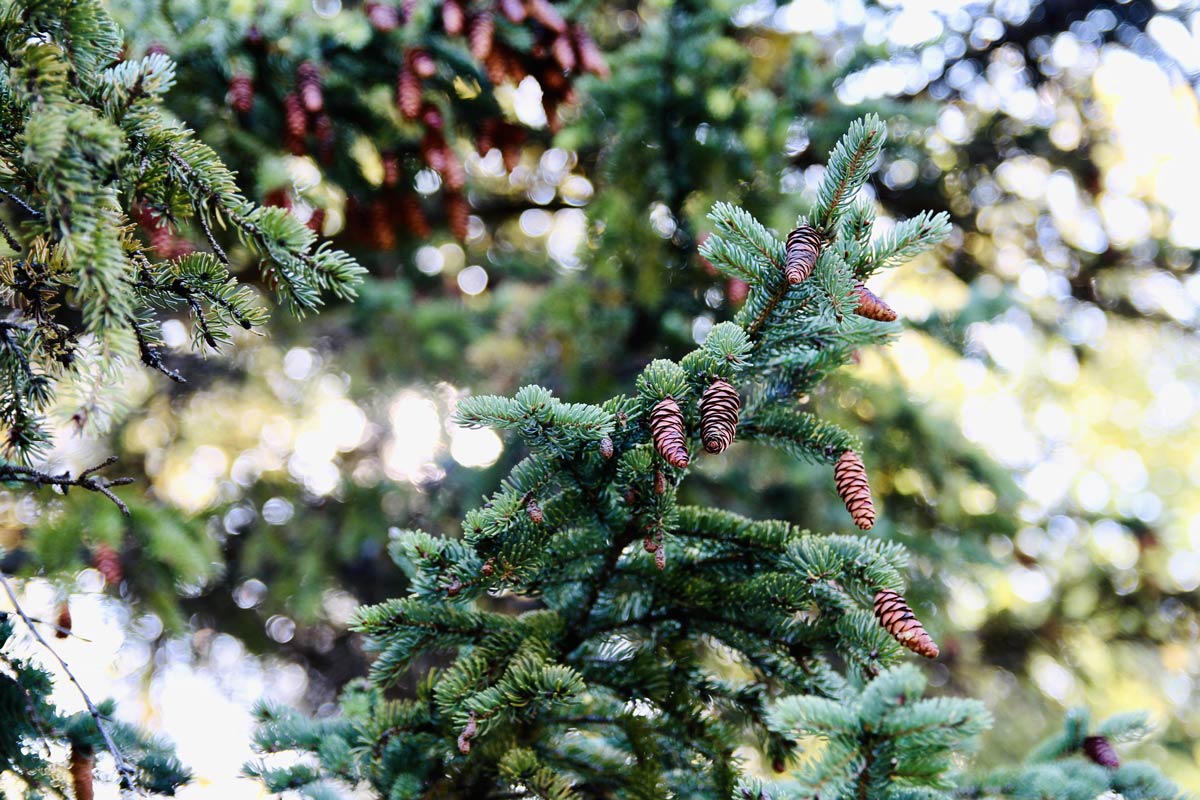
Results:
x,y
453,17
468,733
453,172
545,12
606,448
496,66
803,247
408,92
850,476
511,138
667,430
295,123
536,515
413,215
422,63
108,563
590,58
383,235
870,306
481,33
433,150
458,214
63,623
513,9
241,93
308,86
563,52
485,137
83,767
391,168
1100,750
719,407
383,17
900,621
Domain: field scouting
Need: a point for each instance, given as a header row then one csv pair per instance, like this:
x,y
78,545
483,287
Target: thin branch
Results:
x,y
8,237
212,240
151,356
18,201
128,773
85,480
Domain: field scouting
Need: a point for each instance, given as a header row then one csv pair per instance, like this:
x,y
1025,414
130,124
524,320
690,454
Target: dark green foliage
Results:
x,y
85,149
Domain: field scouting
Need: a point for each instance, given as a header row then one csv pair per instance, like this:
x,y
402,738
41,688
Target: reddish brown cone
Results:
x,y
108,563
536,515
308,86
458,214
453,17
408,92
481,34
241,93
899,620
850,476
668,432
63,623
1100,750
545,12
83,767
870,306
719,407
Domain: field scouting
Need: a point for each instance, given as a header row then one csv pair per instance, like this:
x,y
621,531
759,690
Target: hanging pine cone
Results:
x,y
899,620
719,406
391,168
408,92
433,150
590,58
453,17
308,86
63,623
295,125
496,66
323,133
108,563
870,306
668,432
660,482
458,215
545,12
468,733
383,236
513,9
536,515
383,17
481,33
83,767
606,448
453,173
1100,750
512,137
241,93
413,216
422,63
563,52
850,476
803,247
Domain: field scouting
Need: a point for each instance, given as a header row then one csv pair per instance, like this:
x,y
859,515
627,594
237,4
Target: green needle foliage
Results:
x,y
85,151
583,668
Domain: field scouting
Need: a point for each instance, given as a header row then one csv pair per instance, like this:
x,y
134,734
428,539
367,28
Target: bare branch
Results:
x,y
85,480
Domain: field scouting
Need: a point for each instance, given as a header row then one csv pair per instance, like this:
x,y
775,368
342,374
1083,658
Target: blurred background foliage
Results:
x,y
1032,435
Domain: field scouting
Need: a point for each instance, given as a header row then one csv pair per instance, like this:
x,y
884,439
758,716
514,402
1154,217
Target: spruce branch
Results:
x,y
85,480
127,771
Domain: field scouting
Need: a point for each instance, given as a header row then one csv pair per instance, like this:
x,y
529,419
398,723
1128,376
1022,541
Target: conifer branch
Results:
x,y
124,768
85,480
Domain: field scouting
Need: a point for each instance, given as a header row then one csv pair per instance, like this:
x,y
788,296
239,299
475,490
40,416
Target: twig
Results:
x,y
128,773
152,357
8,237
28,208
212,240
85,480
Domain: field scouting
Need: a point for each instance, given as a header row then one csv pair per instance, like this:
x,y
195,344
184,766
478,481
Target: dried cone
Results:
x,y
295,124
108,563
482,33
535,512
1100,750
719,407
606,447
408,92
872,307
63,623
513,9
458,215
545,12
83,767
900,621
241,93
850,476
667,429
308,86
803,247
453,17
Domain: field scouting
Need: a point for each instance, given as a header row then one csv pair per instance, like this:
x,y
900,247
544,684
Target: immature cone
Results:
x,y
606,447
870,306
83,767
452,17
670,437
295,125
408,92
458,214
241,93
535,513
1100,750
308,85
481,34
803,247
899,620
468,733
544,12
719,406
660,482
108,563
63,623
850,476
